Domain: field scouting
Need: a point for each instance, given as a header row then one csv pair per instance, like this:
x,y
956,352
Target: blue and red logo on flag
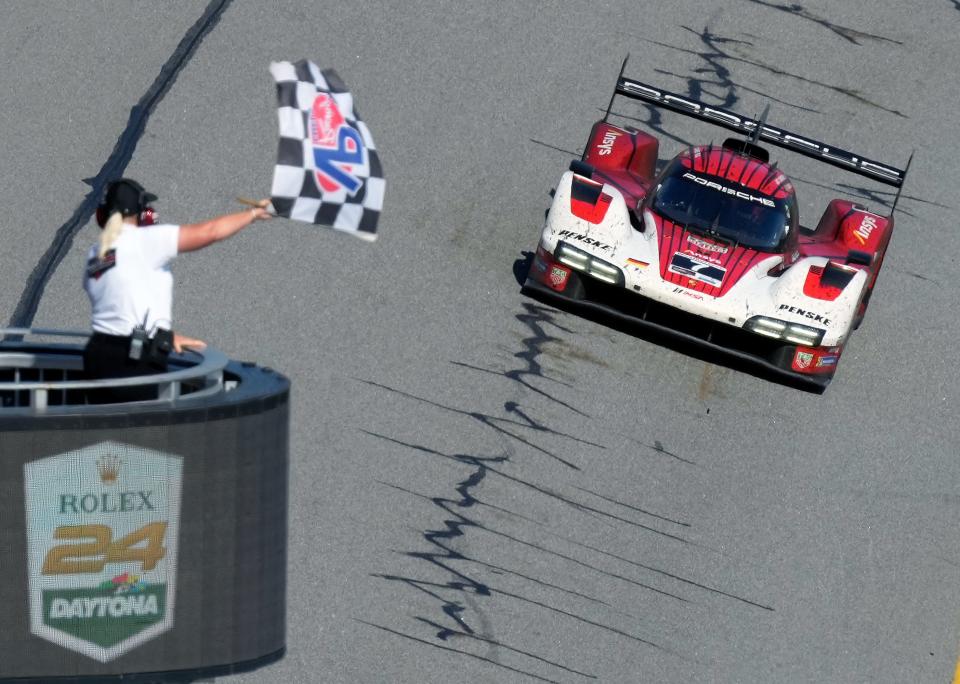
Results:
x,y
336,146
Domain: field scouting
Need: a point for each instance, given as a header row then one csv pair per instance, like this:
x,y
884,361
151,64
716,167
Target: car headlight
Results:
x,y
786,331
587,263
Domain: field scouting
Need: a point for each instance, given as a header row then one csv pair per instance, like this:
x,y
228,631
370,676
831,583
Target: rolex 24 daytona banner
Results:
x,y
328,172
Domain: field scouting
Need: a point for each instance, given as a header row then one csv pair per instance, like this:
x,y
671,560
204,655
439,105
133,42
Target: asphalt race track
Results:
x,y
485,488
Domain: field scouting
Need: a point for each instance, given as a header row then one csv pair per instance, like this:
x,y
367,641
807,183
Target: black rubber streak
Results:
x,y
457,589
713,79
664,573
558,149
458,651
458,522
497,422
848,34
882,198
715,55
115,164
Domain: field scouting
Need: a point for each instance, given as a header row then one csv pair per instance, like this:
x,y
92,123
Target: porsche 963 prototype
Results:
x,y
711,249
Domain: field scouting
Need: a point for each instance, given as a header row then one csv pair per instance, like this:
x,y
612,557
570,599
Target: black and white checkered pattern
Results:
x,y
295,192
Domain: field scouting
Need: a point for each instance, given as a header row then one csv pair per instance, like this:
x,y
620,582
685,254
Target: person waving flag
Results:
x,y
328,171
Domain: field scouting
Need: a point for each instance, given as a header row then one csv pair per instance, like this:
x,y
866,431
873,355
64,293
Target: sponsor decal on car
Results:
x,y
867,226
697,268
826,361
803,360
558,277
806,314
605,146
700,255
585,239
688,293
102,532
707,183
706,245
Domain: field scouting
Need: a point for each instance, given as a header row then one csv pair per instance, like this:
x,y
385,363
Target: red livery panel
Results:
x,y
617,150
864,231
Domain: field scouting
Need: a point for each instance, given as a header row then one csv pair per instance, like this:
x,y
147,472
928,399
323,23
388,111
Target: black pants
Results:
x,y
108,356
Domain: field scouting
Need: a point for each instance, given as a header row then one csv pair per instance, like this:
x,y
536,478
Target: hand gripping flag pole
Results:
x,y
328,171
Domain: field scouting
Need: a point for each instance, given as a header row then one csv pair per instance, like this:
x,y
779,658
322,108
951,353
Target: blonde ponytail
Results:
x,y
111,231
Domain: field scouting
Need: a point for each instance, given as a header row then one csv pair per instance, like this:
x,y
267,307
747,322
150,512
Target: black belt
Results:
x,y
155,349
112,340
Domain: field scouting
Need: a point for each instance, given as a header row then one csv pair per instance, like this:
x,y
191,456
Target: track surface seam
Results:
x,y
115,164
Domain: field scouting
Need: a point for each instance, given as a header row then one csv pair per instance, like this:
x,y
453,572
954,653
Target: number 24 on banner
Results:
x,y
68,559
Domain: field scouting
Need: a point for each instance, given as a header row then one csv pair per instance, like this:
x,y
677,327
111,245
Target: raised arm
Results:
x,y
194,236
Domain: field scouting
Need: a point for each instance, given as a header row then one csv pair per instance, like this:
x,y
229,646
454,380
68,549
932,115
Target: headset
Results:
x,y
146,215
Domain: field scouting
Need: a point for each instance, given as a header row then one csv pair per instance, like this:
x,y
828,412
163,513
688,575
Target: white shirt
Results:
x,y
138,288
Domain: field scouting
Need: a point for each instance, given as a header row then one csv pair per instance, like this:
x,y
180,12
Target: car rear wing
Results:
x,y
829,154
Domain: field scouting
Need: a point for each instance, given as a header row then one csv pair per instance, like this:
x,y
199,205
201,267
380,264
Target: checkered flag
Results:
x,y
327,171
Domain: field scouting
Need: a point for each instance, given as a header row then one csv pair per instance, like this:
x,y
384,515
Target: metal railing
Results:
x,y
38,377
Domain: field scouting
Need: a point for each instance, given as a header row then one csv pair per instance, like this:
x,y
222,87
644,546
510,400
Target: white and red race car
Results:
x,y
711,249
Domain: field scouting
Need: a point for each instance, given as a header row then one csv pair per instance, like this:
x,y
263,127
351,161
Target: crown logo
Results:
x,y
109,468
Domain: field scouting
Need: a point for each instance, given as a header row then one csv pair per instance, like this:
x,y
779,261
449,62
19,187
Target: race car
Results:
x,y
711,249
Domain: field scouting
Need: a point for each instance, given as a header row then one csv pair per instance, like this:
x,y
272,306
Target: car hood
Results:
x,y
698,262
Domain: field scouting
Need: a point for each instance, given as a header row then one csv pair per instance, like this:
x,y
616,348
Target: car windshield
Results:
x,y
723,209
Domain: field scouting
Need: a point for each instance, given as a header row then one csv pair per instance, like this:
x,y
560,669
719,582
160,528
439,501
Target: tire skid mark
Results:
x,y
504,374
658,447
554,147
882,197
500,644
457,593
455,528
565,590
634,508
580,618
850,35
664,573
714,79
494,422
740,86
716,56
577,561
540,489
457,650
460,586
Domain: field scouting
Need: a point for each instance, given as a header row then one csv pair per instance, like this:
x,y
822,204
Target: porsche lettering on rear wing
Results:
x,y
855,163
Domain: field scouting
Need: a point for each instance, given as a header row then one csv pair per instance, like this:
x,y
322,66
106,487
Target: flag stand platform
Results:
x,y
141,541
